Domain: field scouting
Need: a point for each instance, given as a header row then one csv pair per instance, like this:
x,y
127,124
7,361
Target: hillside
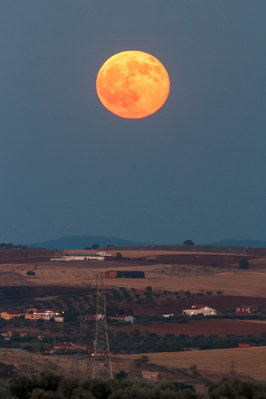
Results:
x,y
175,278
83,241
239,243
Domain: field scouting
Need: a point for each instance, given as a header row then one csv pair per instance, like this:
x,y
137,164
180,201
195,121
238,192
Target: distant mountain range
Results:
x,y
239,243
81,242
84,241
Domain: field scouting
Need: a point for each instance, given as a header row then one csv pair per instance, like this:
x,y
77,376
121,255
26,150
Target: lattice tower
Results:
x,y
100,358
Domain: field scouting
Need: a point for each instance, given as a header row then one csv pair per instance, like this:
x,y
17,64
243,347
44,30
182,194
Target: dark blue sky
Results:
x,y
195,169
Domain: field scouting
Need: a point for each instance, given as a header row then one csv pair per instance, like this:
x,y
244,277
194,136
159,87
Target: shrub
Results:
x,y
243,264
121,375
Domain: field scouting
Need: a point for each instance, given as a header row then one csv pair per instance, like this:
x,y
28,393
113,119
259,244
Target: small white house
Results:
x,y
102,253
59,319
200,309
48,314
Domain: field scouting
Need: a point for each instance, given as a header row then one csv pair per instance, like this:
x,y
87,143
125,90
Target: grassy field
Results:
x,y
213,363
24,361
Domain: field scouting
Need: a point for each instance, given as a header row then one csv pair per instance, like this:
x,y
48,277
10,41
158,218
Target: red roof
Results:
x,y
71,345
63,345
13,313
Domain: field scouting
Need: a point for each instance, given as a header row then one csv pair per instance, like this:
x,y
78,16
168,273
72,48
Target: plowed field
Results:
x,y
206,327
222,303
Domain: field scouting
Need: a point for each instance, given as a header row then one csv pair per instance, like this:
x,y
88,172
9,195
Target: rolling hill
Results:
x,y
83,241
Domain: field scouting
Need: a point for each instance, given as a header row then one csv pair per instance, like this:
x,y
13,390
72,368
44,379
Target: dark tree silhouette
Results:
x,y
188,242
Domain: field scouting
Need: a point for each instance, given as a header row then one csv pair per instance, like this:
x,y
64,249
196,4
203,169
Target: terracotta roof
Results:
x,y
64,345
15,312
71,345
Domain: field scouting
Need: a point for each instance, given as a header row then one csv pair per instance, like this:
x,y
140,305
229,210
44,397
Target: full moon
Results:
x,y
132,84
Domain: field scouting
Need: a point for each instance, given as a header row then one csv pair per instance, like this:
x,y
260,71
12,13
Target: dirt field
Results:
x,y
26,255
168,254
206,327
83,274
187,257
198,259
247,282
222,303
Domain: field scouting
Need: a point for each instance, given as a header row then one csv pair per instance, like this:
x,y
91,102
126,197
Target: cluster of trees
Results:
x,y
94,246
188,242
9,245
135,342
243,264
237,389
52,386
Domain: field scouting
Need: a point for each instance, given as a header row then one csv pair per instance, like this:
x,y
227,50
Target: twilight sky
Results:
x,y
195,169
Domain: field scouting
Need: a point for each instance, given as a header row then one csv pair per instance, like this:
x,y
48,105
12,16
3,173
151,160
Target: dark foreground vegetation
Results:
x,y
52,386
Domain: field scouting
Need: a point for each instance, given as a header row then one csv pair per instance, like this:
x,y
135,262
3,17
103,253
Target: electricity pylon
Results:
x,y
100,358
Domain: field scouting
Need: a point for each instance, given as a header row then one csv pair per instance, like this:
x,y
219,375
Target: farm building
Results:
x,y
70,347
102,253
130,274
79,257
110,274
124,274
91,316
33,316
44,315
7,335
11,315
199,309
243,345
124,319
246,309
150,375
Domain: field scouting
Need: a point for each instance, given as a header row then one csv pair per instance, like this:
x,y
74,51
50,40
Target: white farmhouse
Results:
x,y
48,314
200,309
78,257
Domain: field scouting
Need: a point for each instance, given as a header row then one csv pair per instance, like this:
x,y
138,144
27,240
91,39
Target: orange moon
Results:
x,y
132,84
